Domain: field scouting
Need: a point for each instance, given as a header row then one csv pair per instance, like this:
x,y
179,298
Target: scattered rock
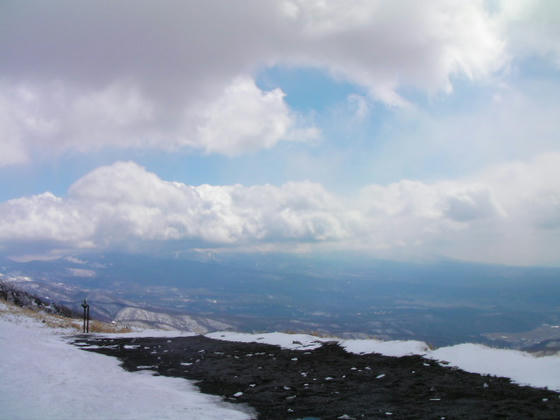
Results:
x,y
277,390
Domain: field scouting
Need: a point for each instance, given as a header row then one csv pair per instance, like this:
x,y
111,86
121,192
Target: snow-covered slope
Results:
x,y
44,377
522,367
137,317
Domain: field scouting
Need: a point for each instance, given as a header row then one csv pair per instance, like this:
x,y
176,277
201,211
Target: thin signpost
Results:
x,y
85,305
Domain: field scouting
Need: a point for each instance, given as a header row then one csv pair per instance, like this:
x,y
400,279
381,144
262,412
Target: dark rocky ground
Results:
x,y
329,383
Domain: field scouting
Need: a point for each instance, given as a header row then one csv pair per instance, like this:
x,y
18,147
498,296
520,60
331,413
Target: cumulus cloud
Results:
x,y
414,218
245,118
387,45
122,203
80,75
531,190
506,214
242,119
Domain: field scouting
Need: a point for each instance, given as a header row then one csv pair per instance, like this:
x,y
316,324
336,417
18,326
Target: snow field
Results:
x,y
522,367
43,377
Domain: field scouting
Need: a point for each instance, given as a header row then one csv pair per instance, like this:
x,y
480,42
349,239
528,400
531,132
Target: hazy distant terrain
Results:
x,y
345,295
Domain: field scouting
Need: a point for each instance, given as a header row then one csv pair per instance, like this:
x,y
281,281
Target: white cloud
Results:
x,y
506,214
387,45
81,272
245,118
43,217
530,190
532,27
55,117
109,110
123,203
181,75
358,106
508,123
16,122
13,151
145,75
414,218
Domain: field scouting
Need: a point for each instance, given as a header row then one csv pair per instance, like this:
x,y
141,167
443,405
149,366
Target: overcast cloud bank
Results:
x,y
81,76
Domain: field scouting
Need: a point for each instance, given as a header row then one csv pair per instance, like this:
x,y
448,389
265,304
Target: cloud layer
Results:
x,y
81,76
78,77
508,214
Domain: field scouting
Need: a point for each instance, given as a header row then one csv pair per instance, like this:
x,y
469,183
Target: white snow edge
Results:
x,y
521,367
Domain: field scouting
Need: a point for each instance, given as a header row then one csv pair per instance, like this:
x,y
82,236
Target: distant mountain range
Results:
x,y
342,294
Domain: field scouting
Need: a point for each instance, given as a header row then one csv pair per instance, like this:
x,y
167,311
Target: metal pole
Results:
x,y
86,315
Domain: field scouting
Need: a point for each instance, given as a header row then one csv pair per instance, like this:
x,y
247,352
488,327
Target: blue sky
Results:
x,y
403,130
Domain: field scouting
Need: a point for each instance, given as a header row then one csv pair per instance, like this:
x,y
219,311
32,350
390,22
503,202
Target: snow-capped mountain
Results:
x,y
136,317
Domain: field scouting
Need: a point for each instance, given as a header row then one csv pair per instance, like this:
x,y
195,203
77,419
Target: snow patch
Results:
x,y
286,341
522,367
43,376
395,348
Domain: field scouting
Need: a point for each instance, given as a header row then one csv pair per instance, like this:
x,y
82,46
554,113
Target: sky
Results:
x,y
403,130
